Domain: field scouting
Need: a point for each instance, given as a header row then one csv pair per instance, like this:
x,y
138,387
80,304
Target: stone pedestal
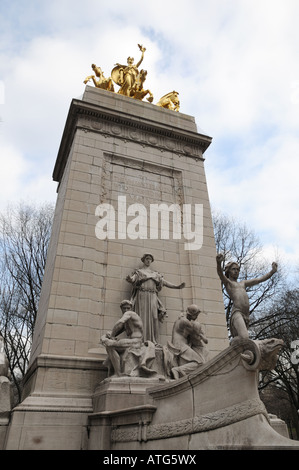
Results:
x,y
114,394
5,399
5,408
215,407
119,401
112,147
279,425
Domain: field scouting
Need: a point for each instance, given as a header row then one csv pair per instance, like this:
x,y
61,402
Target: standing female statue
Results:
x,y
126,75
146,286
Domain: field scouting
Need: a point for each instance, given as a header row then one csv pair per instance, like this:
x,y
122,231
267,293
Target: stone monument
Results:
x,y
132,189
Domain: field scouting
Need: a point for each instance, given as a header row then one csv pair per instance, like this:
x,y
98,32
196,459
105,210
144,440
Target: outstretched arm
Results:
x,y
253,282
173,286
143,49
219,259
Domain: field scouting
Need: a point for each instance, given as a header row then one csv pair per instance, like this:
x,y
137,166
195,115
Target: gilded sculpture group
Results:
x,y
135,353
131,82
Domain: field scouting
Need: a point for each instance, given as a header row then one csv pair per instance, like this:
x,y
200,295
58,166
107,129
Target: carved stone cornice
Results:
x,y
91,117
64,362
53,409
53,372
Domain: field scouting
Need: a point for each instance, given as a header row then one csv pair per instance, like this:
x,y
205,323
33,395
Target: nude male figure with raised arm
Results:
x,y
239,320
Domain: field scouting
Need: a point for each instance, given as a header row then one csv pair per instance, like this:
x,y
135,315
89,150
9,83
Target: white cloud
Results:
x,y
263,192
12,169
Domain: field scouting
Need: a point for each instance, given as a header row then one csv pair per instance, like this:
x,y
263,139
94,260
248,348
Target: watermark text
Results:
x,y
160,221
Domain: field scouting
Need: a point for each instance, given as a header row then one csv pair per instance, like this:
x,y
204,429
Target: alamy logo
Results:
x,y
136,222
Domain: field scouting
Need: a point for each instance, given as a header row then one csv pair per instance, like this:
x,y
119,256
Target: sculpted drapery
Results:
x,y
146,286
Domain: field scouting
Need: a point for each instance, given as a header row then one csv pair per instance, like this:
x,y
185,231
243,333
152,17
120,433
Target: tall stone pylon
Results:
x,y
126,156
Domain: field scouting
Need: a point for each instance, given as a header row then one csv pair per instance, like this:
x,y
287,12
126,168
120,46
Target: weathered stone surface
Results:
x,y
5,396
220,409
279,425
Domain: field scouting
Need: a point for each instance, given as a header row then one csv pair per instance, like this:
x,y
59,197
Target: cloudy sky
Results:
x,y
235,64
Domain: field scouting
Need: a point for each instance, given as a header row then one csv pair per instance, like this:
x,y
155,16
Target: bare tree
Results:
x,y
24,237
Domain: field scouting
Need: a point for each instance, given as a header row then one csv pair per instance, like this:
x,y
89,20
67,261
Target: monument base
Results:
x,y
56,404
279,425
216,407
119,401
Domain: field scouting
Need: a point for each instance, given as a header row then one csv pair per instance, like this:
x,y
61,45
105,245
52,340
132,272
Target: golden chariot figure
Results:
x,y
170,101
102,82
130,79
131,82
